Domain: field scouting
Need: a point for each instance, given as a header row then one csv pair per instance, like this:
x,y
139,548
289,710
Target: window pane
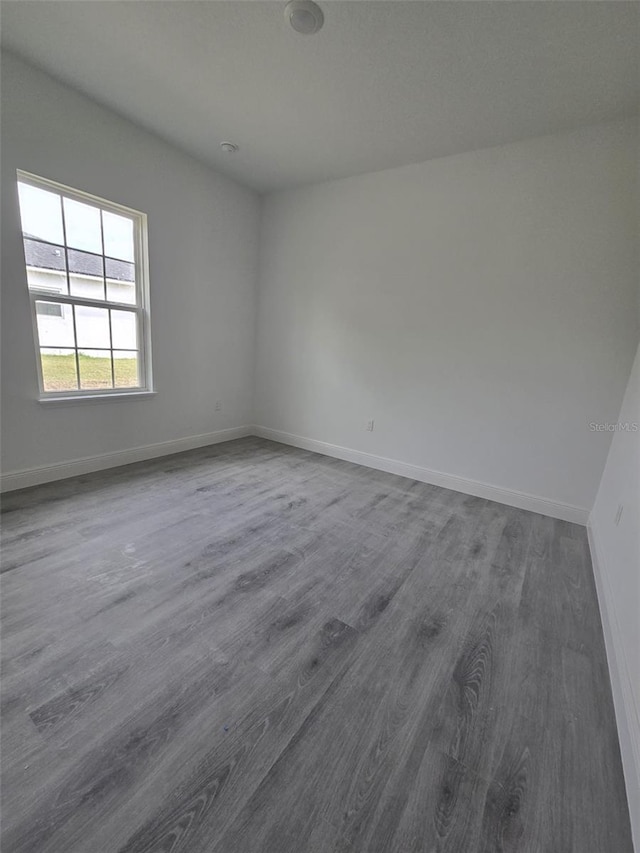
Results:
x,y
82,223
55,324
124,292
121,281
40,213
86,274
124,329
95,369
92,327
59,370
118,236
46,266
125,369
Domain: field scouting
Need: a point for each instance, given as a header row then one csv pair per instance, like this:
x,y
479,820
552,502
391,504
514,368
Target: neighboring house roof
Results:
x,y
49,257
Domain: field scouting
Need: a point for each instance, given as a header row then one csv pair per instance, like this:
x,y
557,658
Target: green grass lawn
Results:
x,y
59,372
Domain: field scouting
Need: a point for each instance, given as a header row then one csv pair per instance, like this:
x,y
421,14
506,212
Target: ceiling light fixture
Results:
x,y
305,16
229,147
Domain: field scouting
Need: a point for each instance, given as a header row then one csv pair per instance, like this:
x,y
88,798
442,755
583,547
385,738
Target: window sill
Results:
x,y
94,398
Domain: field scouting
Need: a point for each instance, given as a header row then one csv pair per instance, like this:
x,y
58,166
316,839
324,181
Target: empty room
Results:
x,y
320,418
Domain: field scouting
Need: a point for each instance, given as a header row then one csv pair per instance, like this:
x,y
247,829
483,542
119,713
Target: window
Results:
x,y
86,263
49,309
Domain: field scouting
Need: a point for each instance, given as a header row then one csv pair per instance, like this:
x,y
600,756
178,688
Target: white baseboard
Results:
x,y
521,500
46,474
627,711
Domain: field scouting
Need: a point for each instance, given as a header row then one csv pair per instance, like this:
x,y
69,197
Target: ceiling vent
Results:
x,y
304,16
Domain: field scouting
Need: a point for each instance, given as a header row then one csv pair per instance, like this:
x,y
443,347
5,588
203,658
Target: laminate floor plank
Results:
x,y
378,719
250,647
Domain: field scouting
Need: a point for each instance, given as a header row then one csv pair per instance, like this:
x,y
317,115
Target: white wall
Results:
x,y
616,551
203,244
478,307
481,308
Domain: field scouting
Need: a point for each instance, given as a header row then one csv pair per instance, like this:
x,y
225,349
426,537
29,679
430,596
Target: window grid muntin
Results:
x,y
73,248
137,352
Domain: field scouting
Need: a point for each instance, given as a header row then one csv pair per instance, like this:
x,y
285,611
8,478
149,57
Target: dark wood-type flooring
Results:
x,y
249,648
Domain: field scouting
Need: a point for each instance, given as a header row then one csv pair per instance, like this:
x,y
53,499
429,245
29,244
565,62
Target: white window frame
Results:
x,y
141,307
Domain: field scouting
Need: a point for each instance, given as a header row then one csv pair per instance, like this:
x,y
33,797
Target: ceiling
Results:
x,y
382,84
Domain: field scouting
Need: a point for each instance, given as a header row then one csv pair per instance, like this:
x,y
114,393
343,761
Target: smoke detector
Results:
x,y
229,147
305,16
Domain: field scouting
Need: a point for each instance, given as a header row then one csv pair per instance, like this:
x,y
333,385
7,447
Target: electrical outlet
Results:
x,y
370,426
218,406
618,514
